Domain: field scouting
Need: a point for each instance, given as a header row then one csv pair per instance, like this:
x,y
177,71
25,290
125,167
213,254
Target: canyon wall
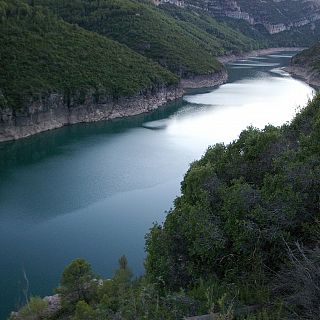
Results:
x,y
54,111
274,15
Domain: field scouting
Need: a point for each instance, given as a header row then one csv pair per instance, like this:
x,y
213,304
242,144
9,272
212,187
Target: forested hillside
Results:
x,y
309,58
223,39
306,64
280,23
42,55
186,46
242,241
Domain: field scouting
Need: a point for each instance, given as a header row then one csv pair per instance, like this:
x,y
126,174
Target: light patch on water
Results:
x,y
235,106
255,64
238,67
280,72
280,56
258,58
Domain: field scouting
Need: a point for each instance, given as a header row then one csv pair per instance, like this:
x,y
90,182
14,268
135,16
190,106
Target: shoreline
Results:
x,y
306,74
211,81
255,53
52,112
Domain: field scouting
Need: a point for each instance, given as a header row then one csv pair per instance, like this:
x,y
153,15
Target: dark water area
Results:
x,y
94,190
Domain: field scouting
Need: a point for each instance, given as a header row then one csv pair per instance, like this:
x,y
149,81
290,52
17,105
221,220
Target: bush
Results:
x,y
36,309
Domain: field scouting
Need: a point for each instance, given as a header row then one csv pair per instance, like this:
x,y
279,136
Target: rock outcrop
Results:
x,y
274,15
205,81
54,111
306,73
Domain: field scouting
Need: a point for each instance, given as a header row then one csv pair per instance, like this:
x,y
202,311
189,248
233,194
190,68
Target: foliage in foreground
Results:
x,y
242,241
242,206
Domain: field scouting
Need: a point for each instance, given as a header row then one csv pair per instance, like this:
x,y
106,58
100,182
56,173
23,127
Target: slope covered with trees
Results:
x,y
41,54
242,241
306,64
222,39
242,207
309,58
280,23
183,47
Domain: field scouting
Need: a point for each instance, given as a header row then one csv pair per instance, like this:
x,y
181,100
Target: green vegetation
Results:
x,y
36,308
297,37
309,58
181,40
41,54
145,29
219,38
242,207
242,241
305,36
268,12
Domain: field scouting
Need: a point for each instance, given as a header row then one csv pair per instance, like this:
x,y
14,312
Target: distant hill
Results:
x,y
283,23
173,37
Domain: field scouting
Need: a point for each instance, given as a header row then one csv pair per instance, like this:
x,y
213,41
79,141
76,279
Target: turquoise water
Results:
x,y
94,190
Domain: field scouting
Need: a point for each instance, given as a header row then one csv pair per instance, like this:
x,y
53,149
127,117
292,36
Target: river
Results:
x,y
94,190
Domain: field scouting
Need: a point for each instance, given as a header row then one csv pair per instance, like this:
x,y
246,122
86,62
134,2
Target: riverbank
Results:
x,y
306,74
214,80
54,112
255,53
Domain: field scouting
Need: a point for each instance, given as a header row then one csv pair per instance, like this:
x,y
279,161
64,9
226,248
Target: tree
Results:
x,y
36,308
84,311
76,281
124,273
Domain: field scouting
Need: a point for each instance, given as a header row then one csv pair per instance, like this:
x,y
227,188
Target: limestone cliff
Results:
x,y
274,15
54,111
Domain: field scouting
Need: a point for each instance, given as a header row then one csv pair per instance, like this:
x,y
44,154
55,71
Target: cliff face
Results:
x,y
274,15
216,79
54,111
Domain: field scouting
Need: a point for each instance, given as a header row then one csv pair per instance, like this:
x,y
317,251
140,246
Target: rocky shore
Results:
x,y
54,111
306,73
255,53
205,81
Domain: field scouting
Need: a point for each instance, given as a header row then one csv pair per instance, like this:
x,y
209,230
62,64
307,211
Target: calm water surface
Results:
x,y
94,190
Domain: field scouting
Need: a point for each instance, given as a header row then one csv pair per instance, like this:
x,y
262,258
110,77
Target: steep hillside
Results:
x,y
267,18
307,64
40,54
243,206
185,48
47,64
222,39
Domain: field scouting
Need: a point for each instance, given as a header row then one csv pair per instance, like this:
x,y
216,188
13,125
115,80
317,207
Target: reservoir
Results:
x,y
93,190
